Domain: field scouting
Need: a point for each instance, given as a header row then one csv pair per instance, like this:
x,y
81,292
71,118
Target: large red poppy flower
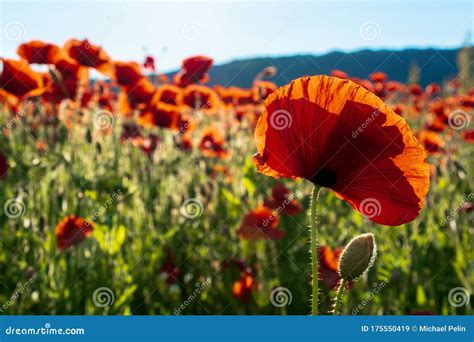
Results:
x,y
260,223
19,79
193,70
3,166
38,52
72,230
338,135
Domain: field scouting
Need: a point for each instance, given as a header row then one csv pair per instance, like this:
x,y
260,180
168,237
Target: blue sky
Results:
x,y
173,30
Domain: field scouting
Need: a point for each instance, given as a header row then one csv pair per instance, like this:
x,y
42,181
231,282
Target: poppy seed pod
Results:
x,y
358,256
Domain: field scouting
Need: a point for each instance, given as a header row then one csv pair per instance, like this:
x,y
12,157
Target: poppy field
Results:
x,y
128,192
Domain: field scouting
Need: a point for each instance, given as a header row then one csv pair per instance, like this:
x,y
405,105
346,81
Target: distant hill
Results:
x,y
435,66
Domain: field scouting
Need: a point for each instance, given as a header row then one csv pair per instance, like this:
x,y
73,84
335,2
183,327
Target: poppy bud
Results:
x,y
358,256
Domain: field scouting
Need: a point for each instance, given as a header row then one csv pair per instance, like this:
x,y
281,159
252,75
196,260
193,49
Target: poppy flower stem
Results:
x,y
314,251
340,293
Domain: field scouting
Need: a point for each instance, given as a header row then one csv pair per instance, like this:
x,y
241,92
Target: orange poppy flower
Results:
x,y
18,79
185,142
169,94
3,166
378,76
127,73
159,114
338,135
393,86
283,201
432,89
329,266
89,55
431,141
193,70
200,98
242,288
339,73
260,223
364,83
212,143
38,52
416,90
72,230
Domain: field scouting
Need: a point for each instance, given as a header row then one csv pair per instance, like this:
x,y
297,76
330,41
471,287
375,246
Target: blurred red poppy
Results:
x,y
159,114
313,128
72,230
212,143
89,55
193,70
242,288
329,266
38,52
200,98
149,63
260,223
431,141
170,269
127,73
468,135
169,94
339,73
3,166
378,76
283,201
19,79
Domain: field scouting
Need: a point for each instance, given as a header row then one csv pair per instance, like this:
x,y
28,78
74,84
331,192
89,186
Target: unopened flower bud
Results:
x,y
358,256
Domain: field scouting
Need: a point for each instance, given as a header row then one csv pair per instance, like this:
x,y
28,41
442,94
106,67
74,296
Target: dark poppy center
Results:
x,y
324,177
